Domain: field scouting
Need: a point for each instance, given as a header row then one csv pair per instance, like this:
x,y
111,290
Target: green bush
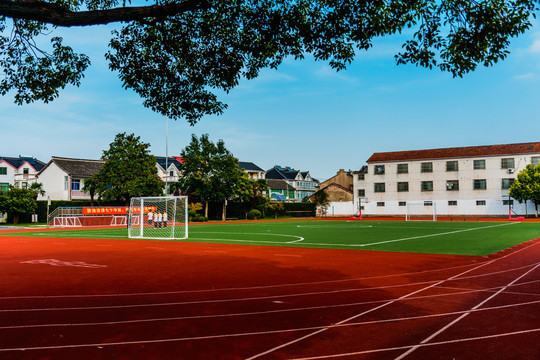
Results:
x,y
200,218
254,214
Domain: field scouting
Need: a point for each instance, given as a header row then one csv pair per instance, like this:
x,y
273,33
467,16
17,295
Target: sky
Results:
x,y
303,115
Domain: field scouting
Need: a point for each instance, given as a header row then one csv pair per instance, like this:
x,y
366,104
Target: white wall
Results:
x,y
52,179
334,209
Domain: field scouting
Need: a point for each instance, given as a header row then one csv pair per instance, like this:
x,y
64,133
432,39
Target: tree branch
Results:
x,y
57,15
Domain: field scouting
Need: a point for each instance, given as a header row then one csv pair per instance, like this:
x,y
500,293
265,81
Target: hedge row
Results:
x,y
235,210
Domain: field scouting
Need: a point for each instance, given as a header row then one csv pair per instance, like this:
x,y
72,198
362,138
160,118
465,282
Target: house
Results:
x,y
169,168
18,171
254,172
301,181
280,190
462,181
63,178
339,187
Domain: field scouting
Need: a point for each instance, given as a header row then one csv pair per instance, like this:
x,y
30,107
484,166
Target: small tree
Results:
x,y
209,171
17,202
129,170
527,186
90,187
37,188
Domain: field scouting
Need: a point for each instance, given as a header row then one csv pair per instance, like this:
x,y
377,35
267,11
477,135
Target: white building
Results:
x,y
18,171
467,181
63,178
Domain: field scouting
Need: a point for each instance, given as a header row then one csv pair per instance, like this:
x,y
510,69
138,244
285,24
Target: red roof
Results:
x,y
470,151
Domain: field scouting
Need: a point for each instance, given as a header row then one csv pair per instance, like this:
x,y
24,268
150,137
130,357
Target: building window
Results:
x,y
403,168
480,202
452,203
379,187
66,182
506,183
452,185
426,167
402,186
25,171
380,203
427,186
507,163
361,193
479,164
479,184
3,170
379,169
428,203
451,166
535,160
361,176
24,185
4,186
508,202
76,184
402,203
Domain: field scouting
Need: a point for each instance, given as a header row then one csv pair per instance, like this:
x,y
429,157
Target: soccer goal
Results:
x,y
161,217
421,211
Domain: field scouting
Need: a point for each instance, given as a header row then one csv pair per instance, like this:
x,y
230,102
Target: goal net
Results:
x,y
163,217
421,211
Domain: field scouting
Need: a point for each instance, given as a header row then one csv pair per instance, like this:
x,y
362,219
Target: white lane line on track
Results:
x,y
276,286
220,336
387,303
216,316
529,331
450,324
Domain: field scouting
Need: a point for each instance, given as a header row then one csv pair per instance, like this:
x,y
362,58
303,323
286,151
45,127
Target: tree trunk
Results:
x,y
206,208
224,213
15,219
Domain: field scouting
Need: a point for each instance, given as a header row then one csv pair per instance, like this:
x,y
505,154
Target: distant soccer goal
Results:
x,y
421,211
161,217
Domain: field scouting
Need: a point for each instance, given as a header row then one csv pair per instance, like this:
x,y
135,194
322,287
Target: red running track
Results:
x,y
122,299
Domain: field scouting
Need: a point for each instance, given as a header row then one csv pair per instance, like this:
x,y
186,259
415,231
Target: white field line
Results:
x,y
332,326
280,296
438,234
450,324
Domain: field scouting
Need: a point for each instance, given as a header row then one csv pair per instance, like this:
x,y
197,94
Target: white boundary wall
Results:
x,y
337,209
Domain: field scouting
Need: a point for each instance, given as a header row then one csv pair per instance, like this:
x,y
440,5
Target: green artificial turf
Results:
x,y
460,238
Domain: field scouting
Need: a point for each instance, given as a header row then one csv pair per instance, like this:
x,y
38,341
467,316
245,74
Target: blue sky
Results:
x,y
303,115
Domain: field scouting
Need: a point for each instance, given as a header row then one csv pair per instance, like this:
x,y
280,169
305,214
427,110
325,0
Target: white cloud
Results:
x,y
527,76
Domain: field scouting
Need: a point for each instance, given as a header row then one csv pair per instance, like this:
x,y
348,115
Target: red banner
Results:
x,y
115,210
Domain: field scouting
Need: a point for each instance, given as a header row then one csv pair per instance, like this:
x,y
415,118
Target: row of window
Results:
x,y
427,167
450,203
451,185
3,171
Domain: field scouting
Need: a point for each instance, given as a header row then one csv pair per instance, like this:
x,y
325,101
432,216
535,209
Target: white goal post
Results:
x,y
159,217
421,211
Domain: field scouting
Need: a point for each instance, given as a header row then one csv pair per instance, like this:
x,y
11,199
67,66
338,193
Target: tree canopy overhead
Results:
x,y
177,55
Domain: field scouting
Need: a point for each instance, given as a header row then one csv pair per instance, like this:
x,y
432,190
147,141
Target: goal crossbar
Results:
x,y
421,211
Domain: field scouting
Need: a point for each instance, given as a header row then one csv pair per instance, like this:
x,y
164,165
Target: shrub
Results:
x,y
254,214
200,218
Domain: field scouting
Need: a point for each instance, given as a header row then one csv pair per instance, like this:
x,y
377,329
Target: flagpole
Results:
x,y
167,158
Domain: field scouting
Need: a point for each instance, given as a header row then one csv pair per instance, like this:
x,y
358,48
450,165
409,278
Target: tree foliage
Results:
x,y
527,186
129,170
178,55
17,202
210,171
